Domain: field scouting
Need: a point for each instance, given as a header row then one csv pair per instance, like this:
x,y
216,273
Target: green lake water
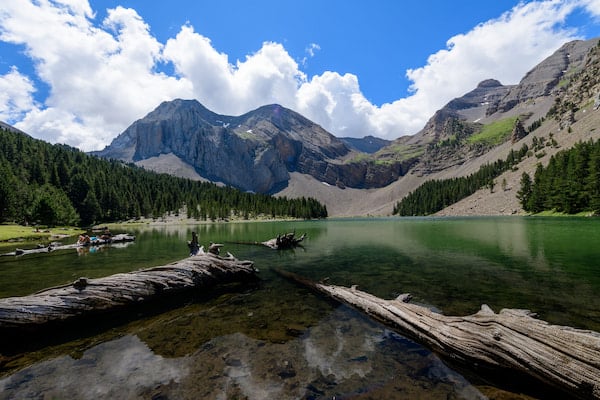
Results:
x,y
274,339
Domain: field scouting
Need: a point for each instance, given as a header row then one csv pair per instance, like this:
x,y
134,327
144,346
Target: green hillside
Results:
x,y
494,133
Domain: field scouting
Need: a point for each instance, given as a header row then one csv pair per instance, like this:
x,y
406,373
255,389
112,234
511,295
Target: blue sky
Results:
x,y
79,72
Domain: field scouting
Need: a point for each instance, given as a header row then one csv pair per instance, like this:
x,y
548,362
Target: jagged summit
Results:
x,y
545,77
169,109
255,151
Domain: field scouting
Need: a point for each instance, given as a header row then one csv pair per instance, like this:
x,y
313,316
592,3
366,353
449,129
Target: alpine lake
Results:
x,y
273,339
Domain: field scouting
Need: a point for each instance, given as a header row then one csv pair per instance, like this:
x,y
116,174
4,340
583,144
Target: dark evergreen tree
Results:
x,y
592,181
7,185
524,193
52,207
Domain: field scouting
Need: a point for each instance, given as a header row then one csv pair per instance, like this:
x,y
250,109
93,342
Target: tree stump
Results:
x,y
285,241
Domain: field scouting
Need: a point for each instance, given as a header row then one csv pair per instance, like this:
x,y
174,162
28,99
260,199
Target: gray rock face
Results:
x,y
254,152
479,102
546,76
518,132
367,144
204,140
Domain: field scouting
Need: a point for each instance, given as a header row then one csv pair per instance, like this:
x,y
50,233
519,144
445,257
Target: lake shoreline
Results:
x,y
12,234
15,234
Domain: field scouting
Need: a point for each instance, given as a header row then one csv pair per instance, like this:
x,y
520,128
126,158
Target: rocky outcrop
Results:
x,y
518,132
480,102
359,175
367,144
471,107
547,75
254,152
203,140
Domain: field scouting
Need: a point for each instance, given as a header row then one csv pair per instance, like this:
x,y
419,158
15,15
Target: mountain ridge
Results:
x,y
255,151
274,146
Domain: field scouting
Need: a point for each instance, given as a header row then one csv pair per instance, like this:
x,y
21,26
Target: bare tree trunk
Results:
x,y
89,296
560,356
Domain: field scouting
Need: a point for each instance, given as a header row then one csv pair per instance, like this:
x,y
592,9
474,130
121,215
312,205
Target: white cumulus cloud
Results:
x,y
103,75
101,78
504,48
593,7
16,95
268,76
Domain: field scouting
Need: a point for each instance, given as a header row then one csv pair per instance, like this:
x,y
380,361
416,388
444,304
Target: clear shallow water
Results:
x,y
277,340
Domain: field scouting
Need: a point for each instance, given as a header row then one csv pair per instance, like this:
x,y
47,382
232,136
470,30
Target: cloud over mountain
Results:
x,y
100,76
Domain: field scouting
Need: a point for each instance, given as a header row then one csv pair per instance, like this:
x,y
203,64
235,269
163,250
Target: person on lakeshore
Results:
x,y
194,245
106,235
84,240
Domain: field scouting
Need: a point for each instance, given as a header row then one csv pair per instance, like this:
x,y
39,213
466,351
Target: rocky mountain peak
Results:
x,y
489,83
255,151
179,107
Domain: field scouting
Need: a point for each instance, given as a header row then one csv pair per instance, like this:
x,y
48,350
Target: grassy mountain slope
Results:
x,y
561,102
572,118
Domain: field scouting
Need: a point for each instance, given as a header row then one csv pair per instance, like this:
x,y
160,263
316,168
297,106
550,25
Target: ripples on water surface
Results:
x,y
277,340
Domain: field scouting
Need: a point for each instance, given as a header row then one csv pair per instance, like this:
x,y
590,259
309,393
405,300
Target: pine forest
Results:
x,y
569,184
54,185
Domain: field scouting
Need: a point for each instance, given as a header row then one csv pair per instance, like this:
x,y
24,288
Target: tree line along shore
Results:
x,y
56,185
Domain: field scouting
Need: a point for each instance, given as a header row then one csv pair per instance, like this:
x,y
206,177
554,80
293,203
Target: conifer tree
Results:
x,y
524,193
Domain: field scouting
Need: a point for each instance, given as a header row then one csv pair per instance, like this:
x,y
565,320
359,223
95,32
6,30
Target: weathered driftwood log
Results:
x,y
120,238
89,296
560,356
285,241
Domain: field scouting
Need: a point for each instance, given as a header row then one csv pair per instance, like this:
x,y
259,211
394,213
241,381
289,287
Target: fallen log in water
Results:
x,y
281,242
560,356
86,297
120,238
285,241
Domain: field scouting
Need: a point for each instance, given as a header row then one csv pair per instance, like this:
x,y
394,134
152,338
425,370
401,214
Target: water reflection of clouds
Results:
x,y
116,369
247,371
338,354
343,355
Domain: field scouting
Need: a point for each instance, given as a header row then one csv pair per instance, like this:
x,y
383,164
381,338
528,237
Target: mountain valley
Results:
x,y
276,150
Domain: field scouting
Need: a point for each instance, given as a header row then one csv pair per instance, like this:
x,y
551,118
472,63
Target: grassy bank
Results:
x,y
11,234
554,213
